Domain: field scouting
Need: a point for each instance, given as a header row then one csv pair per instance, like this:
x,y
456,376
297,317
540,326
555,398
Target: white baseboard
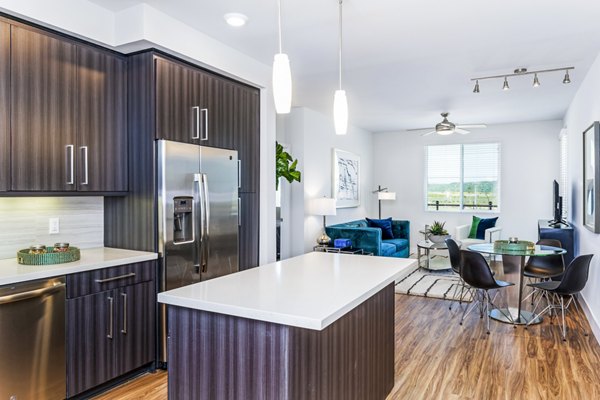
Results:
x,y
590,317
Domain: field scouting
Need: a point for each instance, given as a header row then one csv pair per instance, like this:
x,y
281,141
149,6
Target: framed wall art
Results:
x,y
591,177
346,179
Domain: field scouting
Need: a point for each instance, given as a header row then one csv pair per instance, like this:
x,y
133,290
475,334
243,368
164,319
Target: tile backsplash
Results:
x,y
24,221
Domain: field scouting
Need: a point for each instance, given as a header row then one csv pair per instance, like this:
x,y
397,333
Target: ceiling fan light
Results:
x,y
282,83
536,81
340,112
505,86
567,79
476,88
445,132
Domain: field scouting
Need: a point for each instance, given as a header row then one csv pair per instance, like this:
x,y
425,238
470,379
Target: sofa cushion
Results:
x,y
480,225
384,224
400,244
387,249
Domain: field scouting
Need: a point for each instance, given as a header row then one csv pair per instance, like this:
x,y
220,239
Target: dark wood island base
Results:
x,y
215,356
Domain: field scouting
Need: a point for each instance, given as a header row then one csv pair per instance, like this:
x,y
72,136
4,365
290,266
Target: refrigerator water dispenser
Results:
x,y
183,226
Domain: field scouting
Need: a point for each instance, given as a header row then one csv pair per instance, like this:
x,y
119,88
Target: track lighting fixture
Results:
x,y
567,78
522,72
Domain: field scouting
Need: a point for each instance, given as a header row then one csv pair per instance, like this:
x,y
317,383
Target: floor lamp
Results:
x,y
383,194
323,206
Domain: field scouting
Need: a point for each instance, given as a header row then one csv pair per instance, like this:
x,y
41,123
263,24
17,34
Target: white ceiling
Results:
x,y
407,61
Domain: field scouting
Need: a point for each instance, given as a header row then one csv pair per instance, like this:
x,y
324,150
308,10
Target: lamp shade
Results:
x,y
386,196
282,83
340,112
323,206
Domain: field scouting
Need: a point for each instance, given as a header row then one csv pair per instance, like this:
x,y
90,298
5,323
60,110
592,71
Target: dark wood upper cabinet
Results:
x,y
219,96
4,107
101,121
43,81
247,137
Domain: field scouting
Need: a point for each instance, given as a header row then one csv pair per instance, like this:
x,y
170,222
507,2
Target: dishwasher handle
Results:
x,y
13,298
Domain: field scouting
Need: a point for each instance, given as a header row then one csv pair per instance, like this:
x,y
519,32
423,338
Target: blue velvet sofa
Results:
x,y
369,239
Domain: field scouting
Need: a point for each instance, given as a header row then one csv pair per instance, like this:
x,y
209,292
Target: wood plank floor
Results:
x,y
436,358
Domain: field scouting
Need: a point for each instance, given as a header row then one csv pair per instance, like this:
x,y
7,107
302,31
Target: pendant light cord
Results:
x,y
340,45
279,22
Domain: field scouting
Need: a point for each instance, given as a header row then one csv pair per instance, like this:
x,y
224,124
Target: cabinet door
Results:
x,y
219,96
101,121
135,326
177,115
249,231
91,336
43,85
4,107
247,137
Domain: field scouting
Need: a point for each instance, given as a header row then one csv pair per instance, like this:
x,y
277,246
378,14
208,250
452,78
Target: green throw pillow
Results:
x,y
474,225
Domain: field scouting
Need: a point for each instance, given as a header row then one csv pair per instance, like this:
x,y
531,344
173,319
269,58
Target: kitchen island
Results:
x,y
317,326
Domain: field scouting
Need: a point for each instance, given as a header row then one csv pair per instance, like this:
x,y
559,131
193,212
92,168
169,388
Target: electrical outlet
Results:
x,y
53,225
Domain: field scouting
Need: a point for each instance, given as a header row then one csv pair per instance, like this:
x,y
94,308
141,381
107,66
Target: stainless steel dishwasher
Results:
x,y
32,340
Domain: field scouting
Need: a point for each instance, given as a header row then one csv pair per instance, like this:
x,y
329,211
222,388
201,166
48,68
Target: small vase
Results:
x,y
439,238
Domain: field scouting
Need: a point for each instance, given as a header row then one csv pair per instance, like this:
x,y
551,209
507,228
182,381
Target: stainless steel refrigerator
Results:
x,y
198,217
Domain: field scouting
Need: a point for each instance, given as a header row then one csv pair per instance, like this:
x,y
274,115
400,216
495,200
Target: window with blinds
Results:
x,y
463,177
564,191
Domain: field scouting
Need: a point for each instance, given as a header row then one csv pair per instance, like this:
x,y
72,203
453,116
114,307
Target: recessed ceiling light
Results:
x,y
236,19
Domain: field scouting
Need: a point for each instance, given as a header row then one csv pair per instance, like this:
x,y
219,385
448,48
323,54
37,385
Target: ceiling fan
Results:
x,y
447,128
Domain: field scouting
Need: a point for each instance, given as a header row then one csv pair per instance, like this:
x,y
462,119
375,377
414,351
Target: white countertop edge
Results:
x,y
51,271
277,318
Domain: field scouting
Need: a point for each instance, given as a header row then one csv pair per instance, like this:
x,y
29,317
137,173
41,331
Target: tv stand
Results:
x,y
555,222
560,230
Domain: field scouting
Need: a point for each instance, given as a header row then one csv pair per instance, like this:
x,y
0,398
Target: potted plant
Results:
x,y
437,232
285,166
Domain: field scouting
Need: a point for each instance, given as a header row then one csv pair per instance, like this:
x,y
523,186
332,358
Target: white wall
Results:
x,y
311,139
529,163
24,222
584,109
142,26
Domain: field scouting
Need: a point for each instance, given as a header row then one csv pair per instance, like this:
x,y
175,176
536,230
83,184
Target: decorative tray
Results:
x,y
72,254
522,245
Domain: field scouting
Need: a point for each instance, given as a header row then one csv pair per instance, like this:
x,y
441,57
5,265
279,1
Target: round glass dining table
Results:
x,y
516,315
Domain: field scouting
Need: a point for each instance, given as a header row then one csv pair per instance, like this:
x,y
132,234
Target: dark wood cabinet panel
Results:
x,y
248,233
101,121
219,99
178,116
43,71
90,348
4,107
135,326
247,136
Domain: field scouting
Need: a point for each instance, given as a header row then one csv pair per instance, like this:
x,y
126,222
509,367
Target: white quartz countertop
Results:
x,y
13,272
309,291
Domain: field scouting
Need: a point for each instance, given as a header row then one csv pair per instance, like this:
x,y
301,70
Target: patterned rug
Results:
x,y
436,284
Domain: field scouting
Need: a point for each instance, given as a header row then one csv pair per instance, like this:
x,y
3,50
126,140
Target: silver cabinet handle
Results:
x,y
13,298
239,174
70,164
124,330
111,317
196,131
205,119
115,278
84,150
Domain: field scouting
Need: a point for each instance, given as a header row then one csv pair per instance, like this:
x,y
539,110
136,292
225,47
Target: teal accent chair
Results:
x,y
369,239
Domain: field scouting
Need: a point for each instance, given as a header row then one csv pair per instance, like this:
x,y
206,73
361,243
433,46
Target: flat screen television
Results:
x,y
557,205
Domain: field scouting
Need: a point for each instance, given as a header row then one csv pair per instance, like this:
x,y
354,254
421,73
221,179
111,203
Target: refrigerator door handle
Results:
x,y
198,220
206,237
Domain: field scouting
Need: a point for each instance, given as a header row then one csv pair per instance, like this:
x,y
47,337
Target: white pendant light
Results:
x,y
340,103
282,76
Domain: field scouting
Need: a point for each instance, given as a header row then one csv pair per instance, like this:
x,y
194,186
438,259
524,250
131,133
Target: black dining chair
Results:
x,y
455,263
573,281
476,272
544,268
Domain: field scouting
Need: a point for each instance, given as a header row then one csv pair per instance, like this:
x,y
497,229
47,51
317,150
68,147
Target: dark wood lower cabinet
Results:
x,y
216,356
249,230
4,107
109,334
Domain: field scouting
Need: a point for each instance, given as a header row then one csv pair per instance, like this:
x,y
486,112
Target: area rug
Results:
x,y
436,284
